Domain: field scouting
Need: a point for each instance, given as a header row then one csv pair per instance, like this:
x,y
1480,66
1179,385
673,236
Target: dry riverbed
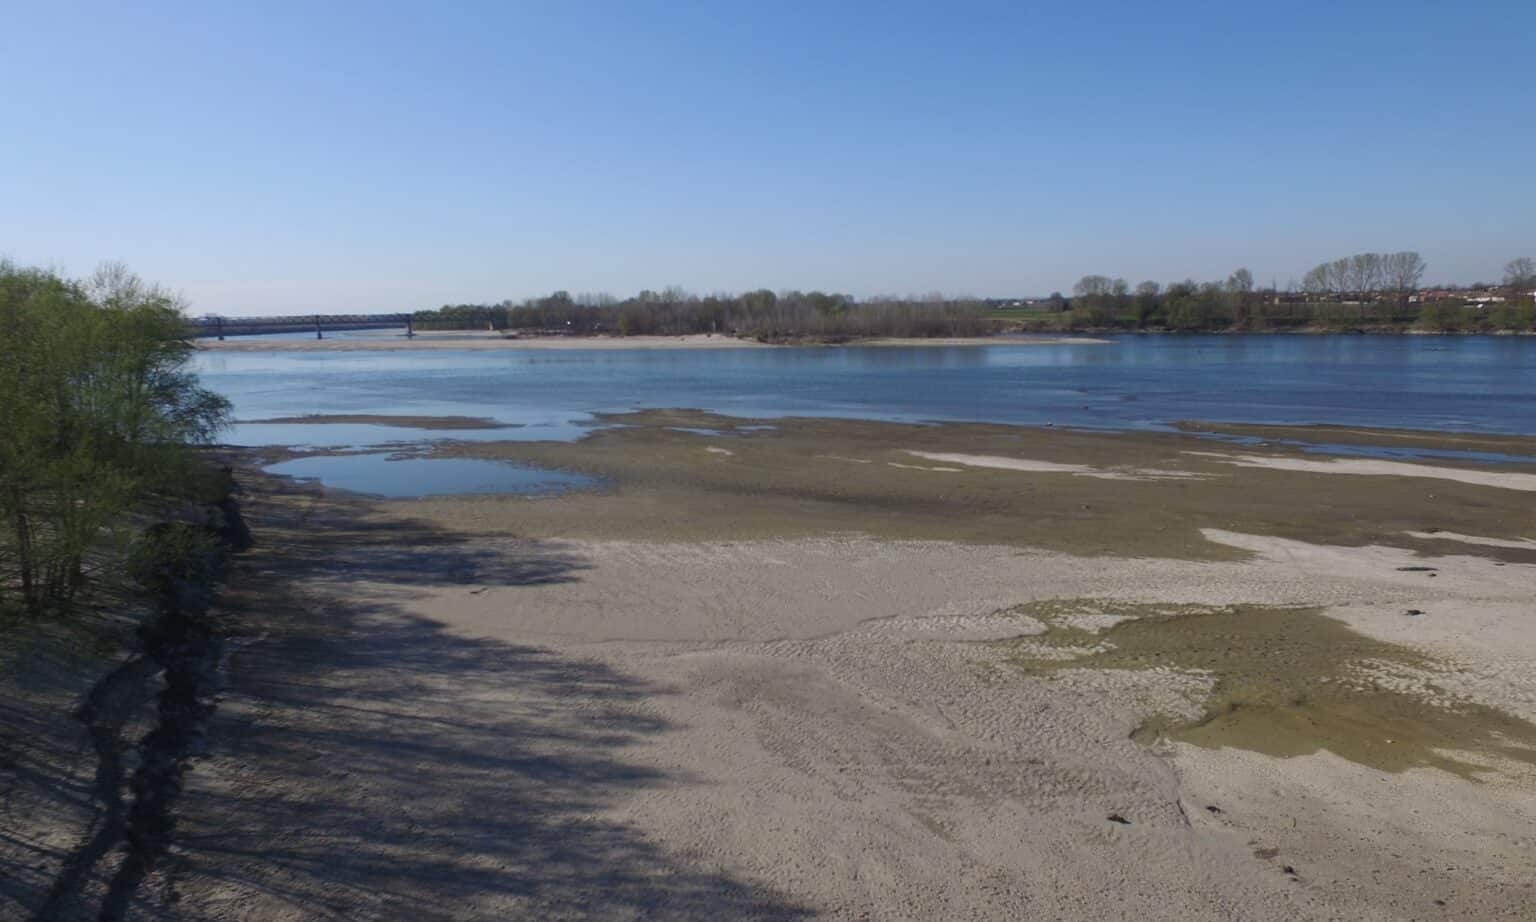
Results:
x,y
837,669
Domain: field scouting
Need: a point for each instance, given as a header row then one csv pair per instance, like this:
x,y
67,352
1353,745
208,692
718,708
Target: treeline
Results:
x,y
762,315
1101,302
98,412
1376,291
1367,274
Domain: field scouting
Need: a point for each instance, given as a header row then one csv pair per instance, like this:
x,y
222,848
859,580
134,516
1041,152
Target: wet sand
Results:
x,y
1516,445
1080,492
811,672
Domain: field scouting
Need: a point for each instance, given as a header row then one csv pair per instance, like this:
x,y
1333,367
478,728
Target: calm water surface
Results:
x,y
379,474
1482,384
1485,384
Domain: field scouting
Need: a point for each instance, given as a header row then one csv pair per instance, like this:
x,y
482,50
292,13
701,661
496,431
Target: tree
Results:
x,y
1090,286
1364,273
1147,302
1403,271
98,410
1340,275
1238,289
1316,281
1520,274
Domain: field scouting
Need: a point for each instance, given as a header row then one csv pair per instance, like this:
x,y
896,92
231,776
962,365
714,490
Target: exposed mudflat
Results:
x,y
1389,438
1080,492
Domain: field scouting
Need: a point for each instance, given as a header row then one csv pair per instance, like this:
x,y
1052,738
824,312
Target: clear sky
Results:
x,y
274,158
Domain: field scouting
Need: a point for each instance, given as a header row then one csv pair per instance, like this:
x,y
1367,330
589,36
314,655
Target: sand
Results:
x,y
774,685
1373,467
1004,464
1518,543
489,726
1051,467
1105,494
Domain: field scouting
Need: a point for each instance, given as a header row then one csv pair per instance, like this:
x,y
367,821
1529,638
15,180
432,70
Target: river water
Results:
x,y
1466,383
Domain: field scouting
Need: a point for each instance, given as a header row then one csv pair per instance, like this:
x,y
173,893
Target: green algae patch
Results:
x,y
1284,682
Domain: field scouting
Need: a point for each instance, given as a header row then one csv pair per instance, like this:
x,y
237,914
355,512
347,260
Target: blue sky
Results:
x,y
279,158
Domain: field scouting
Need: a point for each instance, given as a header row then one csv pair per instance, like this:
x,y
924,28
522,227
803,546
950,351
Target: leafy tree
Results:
x,y
98,410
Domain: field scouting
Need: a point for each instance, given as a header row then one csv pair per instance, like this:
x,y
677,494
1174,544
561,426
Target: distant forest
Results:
x,y
1376,292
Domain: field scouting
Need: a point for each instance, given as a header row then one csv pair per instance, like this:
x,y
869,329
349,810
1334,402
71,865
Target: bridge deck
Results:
x,y
298,323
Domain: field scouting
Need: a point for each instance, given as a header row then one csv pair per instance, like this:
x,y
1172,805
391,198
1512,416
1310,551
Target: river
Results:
x,y
1462,383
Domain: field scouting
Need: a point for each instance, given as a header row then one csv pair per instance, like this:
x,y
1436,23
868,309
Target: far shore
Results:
x,y
489,340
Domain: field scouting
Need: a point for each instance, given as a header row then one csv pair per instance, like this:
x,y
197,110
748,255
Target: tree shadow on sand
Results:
x,y
366,762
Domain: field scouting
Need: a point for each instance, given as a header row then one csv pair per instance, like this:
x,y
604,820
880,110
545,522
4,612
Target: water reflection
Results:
x,y
383,475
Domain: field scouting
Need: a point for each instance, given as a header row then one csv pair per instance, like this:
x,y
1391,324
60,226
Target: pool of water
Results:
x,y
381,474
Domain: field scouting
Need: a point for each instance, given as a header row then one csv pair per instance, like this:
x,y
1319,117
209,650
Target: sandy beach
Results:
x,y
487,340
843,670
798,696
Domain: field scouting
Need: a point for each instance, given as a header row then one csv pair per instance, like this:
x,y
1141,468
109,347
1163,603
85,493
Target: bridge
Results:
x,y
318,324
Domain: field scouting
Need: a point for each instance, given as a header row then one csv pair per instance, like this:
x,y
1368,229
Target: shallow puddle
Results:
x,y
386,475
1287,682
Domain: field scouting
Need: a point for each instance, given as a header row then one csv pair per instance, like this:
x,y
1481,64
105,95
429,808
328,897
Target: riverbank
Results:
x,y
814,640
